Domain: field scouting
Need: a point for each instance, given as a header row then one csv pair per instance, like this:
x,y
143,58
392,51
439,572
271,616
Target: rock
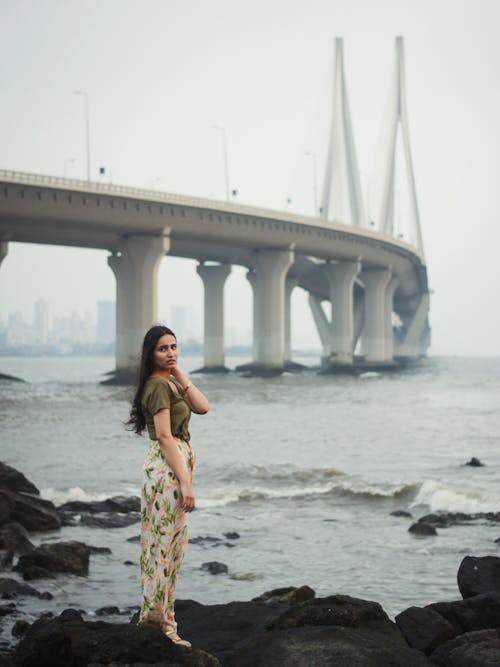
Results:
x,y
403,513
13,480
478,575
136,538
214,567
326,646
68,641
7,609
99,550
121,504
289,595
205,539
232,535
71,557
480,612
31,512
472,649
107,611
11,588
129,562
424,629
447,519
19,628
497,540
474,462
422,528
109,520
15,539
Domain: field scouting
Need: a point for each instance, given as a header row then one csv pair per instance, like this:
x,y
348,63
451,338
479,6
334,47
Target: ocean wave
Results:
x,y
278,472
60,496
440,498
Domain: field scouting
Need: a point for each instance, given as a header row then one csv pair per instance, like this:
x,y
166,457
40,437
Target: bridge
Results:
x,y
376,283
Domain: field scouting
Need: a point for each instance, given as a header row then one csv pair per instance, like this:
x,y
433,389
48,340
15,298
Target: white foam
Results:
x,y
59,496
369,374
439,498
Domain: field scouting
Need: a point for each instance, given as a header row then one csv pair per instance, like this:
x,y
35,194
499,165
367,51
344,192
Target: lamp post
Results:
x,y
315,180
87,131
222,130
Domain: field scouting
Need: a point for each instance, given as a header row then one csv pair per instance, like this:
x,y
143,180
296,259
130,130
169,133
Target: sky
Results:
x,y
160,74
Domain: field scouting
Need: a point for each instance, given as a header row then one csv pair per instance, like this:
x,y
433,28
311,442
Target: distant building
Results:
x,y
106,321
41,323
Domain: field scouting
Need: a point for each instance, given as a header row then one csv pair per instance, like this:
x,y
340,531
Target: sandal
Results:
x,y
174,637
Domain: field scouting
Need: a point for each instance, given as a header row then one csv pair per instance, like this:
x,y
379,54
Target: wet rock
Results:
x,y
402,513
107,611
13,480
206,539
472,649
129,562
11,588
47,559
288,595
424,629
480,612
214,567
15,539
232,535
99,550
109,520
325,646
478,575
20,628
31,512
7,609
121,504
447,519
69,641
136,538
422,528
474,462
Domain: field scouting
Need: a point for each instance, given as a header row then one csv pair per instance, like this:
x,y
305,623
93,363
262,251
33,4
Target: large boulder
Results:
x,y
480,612
11,588
31,512
326,646
478,575
49,559
13,480
68,641
121,504
424,629
472,649
15,539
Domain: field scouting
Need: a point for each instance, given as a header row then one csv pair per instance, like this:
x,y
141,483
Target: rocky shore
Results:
x,y
286,627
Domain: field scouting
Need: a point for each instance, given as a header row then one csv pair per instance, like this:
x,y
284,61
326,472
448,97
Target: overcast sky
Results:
x,y
159,74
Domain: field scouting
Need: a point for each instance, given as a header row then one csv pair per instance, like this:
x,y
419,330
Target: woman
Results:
x,y
163,404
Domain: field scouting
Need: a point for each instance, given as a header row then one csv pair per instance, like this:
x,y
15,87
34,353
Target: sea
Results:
x,y
305,468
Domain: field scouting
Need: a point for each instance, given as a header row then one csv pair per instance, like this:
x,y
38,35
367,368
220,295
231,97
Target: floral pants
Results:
x,y
163,536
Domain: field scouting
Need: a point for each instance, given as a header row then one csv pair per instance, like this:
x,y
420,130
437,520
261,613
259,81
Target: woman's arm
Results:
x,y
194,397
168,446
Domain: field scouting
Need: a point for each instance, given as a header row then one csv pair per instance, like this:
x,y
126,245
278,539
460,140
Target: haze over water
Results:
x,y
305,468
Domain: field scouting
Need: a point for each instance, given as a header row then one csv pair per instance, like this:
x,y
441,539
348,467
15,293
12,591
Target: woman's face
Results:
x,y
165,353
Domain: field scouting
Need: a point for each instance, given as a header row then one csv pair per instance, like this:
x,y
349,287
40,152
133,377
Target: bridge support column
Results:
x,y
290,284
341,277
213,277
322,324
255,315
135,265
270,268
417,332
389,333
374,334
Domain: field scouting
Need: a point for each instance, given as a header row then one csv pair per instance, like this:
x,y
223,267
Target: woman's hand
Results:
x,y
187,497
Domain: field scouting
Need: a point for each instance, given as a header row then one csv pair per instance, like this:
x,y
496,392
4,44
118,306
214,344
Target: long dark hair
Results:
x,y
137,421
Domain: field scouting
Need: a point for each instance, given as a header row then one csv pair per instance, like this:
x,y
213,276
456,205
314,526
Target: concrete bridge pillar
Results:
x,y
341,277
135,265
322,323
389,333
4,249
374,334
290,284
270,268
213,277
251,277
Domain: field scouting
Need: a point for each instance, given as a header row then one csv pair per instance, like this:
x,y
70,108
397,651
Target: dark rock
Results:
x,y
71,557
205,539
136,538
232,535
107,611
421,528
472,649
19,628
13,480
6,609
478,575
15,539
339,610
447,519
403,513
14,588
31,512
121,504
288,595
109,520
129,562
326,647
99,550
68,641
424,629
214,567
475,463
480,612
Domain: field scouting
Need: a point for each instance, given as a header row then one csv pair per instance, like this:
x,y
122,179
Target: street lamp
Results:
x,y
315,180
70,160
222,130
86,96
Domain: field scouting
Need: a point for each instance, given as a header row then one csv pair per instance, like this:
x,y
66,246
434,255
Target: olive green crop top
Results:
x,y
158,394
